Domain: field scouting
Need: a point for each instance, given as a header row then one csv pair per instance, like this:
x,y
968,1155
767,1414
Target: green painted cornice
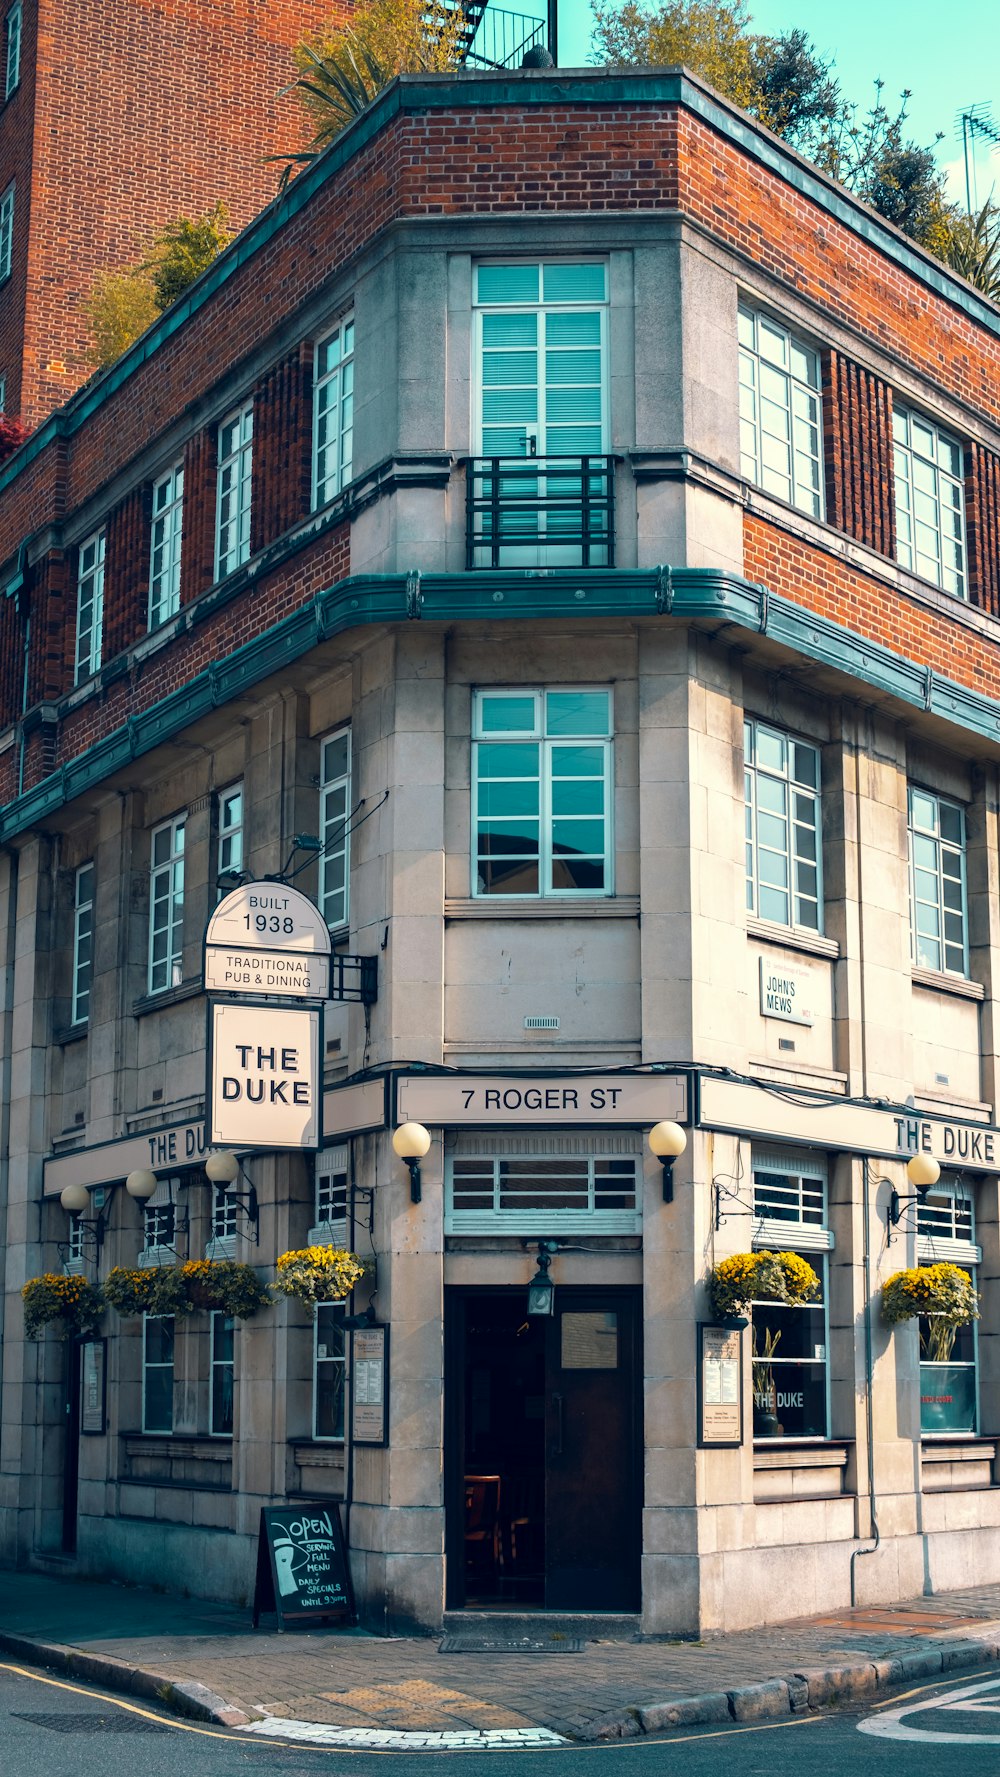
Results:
x,y
694,594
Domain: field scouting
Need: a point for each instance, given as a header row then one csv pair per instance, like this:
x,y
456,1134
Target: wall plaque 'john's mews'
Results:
x,y
264,1080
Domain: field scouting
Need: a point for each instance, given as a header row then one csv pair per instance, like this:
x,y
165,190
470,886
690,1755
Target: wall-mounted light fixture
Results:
x,y
223,1169
667,1141
92,1229
541,1289
411,1142
923,1172
141,1184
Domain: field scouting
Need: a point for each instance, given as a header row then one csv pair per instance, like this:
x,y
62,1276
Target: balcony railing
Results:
x,y
501,39
540,512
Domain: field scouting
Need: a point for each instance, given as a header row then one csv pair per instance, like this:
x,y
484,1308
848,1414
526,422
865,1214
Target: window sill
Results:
x,y
769,1453
70,1033
938,982
790,938
518,907
170,996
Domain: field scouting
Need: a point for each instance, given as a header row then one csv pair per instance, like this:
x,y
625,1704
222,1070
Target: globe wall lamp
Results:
x,y
92,1229
667,1141
411,1142
923,1172
223,1169
141,1184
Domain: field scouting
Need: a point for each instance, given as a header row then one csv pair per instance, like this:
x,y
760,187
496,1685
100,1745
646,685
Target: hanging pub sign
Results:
x,y
265,1084
267,938
302,1571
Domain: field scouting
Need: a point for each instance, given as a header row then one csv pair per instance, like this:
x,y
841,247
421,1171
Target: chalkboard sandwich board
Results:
x,y
302,1571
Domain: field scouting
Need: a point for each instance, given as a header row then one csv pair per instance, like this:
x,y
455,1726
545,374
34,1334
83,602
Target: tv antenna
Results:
x,y
976,122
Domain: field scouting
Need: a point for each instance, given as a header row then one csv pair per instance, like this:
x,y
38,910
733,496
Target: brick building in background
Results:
x,y
580,516
115,120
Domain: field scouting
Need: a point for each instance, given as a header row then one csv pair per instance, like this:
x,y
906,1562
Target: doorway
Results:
x,y
543,1442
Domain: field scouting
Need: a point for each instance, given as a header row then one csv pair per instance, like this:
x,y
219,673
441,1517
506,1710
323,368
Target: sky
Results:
x,y
948,57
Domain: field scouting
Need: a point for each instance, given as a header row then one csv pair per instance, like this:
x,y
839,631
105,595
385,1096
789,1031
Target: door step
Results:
x,y
51,1561
512,1629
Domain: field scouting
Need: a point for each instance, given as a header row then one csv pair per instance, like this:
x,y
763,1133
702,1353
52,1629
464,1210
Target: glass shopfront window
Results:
x,y
949,1392
790,1341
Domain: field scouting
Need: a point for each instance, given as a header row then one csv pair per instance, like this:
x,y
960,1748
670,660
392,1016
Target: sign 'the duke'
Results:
x,y
265,1088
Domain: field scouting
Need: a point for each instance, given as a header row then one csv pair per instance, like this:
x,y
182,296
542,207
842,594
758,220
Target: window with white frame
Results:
x,y
157,1372
542,782
13,71
234,490
930,501
230,850
6,231
790,1341
939,935
334,819
783,829
330,1204
333,412
329,1363
225,1211
539,1183
89,605
949,1393
166,906
83,943
159,1221
165,546
781,418
223,1336
75,1249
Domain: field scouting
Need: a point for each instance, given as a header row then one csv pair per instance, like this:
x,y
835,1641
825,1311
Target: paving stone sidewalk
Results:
x,y
205,1659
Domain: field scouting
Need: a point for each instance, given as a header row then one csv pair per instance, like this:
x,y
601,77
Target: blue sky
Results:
x,y
949,58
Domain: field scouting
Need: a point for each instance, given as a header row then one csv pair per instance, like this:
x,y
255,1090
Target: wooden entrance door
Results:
x,y
544,1451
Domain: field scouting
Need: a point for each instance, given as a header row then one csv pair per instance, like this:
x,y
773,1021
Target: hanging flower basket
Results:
x,y
760,1277
318,1274
232,1288
159,1290
944,1293
75,1301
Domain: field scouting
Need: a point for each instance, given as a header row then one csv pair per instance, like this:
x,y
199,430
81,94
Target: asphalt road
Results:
x,y
52,1728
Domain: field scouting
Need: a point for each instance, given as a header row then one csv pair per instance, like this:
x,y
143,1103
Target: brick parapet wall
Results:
x,y
542,159
17,137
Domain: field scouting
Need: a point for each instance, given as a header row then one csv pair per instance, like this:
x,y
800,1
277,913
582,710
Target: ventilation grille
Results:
x,y
541,1024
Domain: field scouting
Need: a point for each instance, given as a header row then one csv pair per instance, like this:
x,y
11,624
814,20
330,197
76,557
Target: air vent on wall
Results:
x,y
541,1024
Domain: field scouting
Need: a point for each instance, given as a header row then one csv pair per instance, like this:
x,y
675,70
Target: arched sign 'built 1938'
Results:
x,y
266,938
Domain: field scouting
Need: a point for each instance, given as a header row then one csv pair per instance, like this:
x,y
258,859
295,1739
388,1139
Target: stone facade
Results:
x,y
725,605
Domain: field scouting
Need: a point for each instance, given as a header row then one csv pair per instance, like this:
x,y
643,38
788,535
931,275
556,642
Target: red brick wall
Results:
x,y
814,578
857,427
282,447
145,112
982,524
16,152
126,573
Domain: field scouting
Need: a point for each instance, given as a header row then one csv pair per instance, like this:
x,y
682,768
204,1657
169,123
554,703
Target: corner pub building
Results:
x,y
580,517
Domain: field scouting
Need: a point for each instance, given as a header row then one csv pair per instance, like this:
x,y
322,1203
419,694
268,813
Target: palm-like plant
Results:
x,y
341,73
973,249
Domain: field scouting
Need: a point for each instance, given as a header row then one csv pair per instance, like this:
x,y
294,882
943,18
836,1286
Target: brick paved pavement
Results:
x,y
361,1681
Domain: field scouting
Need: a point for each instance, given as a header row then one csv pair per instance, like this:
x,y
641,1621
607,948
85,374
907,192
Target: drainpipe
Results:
x,y
858,1554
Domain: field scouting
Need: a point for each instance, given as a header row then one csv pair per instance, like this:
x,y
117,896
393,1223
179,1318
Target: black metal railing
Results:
x,y
502,39
540,512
